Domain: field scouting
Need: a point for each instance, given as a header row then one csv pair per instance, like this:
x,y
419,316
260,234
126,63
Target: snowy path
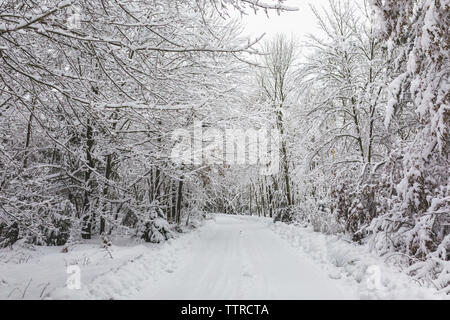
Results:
x,y
239,258
235,257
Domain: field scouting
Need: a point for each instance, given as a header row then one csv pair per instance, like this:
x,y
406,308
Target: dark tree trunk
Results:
x,y
108,172
28,141
179,199
88,217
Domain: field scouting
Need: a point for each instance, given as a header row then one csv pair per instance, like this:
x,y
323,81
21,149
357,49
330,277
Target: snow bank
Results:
x,y
370,276
118,272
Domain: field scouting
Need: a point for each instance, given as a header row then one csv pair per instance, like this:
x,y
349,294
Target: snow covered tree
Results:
x,y
418,216
90,94
342,95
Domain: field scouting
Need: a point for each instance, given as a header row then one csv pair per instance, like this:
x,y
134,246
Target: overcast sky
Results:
x,y
298,23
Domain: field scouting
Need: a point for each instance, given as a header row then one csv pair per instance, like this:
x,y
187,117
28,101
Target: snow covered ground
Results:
x,y
362,272
233,257
241,258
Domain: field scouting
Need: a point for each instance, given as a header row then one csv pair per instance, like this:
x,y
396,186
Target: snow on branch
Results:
x,y
26,23
270,6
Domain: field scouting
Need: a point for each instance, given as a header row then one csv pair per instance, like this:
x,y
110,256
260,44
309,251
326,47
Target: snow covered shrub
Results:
x,y
38,219
355,206
322,219
9,234
417,215
155,228
52,226
316,208
284,214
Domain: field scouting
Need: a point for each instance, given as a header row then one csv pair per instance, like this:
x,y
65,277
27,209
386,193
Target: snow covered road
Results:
x,y
239,258
234,257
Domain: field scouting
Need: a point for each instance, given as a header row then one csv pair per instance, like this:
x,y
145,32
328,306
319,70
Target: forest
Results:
x,y
99,98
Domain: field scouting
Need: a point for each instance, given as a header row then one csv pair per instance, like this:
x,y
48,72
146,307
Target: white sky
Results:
x,y
297,23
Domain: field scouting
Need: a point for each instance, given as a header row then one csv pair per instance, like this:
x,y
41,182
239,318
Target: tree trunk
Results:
x,y
179,199
28,141
108,171
88,217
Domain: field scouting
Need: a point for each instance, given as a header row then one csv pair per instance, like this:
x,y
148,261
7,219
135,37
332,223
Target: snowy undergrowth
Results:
x,y
370,276
118,272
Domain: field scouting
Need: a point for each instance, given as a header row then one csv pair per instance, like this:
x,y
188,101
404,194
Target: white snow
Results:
x,y
102,277
233,257
241,258
355,264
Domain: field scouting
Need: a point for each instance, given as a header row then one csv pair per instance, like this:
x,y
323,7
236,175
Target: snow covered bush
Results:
x,y
284,214
9,234
355,207
319,215
155,227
